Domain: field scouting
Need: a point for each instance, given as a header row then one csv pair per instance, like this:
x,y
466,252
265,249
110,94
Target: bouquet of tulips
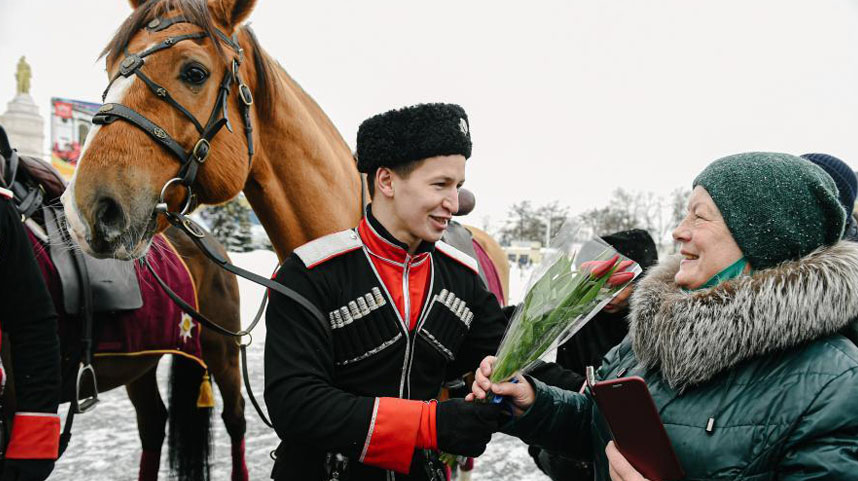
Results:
x,y
572,284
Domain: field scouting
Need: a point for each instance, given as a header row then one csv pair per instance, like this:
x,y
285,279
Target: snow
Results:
x,y
105,444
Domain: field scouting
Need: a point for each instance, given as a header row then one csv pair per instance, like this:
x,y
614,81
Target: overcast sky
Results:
x,y
567,99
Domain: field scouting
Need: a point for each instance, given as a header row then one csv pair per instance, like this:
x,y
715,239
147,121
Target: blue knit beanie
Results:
x,y
843,175
777,206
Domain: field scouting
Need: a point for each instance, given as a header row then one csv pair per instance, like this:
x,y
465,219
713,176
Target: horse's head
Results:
x,y
177,75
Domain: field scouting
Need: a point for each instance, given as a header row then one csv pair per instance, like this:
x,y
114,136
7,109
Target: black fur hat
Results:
x,y
636,244
412,133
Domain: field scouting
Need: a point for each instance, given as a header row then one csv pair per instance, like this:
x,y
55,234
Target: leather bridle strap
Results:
x,y
108,113
158,24
132,62
164,95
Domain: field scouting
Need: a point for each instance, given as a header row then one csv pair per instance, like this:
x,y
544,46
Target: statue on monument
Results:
x,y
21,120
22,75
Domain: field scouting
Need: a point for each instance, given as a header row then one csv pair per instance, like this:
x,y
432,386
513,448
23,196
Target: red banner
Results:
x,y
63,110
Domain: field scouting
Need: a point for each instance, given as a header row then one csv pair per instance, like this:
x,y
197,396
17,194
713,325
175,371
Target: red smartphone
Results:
x,y
627,406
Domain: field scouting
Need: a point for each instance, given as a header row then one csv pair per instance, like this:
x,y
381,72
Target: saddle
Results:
x,y
37,187
459,237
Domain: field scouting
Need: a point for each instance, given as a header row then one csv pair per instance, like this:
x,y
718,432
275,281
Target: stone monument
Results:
x,y
22,122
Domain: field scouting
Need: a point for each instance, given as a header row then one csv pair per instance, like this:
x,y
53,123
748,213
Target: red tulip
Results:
x,y
600,268
590,265
620,278
624,265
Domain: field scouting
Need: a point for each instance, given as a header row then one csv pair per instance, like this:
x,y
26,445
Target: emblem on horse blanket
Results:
x,y
158,327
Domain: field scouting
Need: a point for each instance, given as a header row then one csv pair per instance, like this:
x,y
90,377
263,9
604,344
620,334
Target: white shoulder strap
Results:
x,y
327,247
458,256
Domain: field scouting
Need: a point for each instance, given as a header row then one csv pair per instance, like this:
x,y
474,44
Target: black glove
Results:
x,y
464,428
554,374
26,469
507,311
534,452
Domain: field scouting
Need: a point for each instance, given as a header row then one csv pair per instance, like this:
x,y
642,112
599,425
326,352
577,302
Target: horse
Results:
x,y
300,179
218,298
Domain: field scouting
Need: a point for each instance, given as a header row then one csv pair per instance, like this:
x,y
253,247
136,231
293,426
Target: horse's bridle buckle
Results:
x,y
130,64
245,94
201,150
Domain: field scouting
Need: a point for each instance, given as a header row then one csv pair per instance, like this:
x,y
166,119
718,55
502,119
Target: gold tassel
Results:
x,y
206,397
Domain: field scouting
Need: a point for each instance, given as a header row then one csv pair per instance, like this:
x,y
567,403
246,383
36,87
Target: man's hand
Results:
x,y
619,468
465,428
520,394
26,469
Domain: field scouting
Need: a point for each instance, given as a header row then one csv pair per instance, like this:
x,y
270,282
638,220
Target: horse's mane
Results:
x,y
268,83
197,12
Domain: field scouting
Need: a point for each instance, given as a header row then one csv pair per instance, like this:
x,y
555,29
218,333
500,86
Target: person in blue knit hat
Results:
x,y
847,186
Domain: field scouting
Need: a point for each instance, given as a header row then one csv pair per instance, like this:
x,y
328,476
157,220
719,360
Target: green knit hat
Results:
x,y
777,206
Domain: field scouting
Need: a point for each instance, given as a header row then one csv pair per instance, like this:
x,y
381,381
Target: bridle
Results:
x,y
190,160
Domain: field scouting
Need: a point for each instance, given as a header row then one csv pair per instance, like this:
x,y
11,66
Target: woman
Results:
x,y
737,339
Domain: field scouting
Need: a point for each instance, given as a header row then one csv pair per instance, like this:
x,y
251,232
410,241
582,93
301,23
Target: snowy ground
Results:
x,y
105,445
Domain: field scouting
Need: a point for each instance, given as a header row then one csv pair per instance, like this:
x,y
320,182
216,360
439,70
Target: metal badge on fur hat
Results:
x,y
412,133
777,206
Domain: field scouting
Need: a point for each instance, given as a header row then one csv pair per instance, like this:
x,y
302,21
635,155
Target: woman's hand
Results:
x,y
520,394
619,468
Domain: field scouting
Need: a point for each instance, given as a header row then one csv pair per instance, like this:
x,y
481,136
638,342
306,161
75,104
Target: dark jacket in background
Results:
x,y
28,317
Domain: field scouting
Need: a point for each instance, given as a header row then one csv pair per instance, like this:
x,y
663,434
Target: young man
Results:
x,y
350,397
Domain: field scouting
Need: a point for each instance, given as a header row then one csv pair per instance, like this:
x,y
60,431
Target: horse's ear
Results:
x,y
136,3
230,13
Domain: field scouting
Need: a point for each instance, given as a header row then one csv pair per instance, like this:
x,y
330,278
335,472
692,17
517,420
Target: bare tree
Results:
x,y
553,216
522,223
528,223
608,219
656,214
678,206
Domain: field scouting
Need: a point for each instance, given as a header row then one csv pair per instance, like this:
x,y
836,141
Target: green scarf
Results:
x,y
732,271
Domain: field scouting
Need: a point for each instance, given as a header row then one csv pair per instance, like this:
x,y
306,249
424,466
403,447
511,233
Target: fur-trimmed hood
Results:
x,y
692,336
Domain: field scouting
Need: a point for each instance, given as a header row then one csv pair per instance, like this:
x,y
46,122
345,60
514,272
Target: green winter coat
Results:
x,y
759,354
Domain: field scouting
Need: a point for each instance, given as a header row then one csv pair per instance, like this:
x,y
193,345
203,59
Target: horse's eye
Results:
x,y
194,74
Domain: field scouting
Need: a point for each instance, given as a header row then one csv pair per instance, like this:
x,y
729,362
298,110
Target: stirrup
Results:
x,y
84,405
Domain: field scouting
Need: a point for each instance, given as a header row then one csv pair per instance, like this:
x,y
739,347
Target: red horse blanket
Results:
x,y
159,327
491,272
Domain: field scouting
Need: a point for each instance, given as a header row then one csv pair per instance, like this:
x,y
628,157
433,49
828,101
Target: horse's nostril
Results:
x,y
109,218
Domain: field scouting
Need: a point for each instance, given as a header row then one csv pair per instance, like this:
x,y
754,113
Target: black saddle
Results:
x,y
37,187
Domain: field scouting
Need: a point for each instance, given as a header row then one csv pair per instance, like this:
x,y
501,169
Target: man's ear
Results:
x,y
384,181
